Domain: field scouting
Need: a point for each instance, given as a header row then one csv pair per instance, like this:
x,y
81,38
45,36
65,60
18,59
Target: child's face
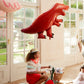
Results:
x,y
37,55
82,70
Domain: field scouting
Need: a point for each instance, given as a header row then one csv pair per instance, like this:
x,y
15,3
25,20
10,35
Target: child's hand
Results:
x,y
45,67
43,72
49,66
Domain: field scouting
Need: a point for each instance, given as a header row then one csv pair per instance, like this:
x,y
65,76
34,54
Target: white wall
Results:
x,y
52,51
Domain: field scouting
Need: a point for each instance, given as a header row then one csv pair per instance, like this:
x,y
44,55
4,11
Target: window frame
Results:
x,y
77,12
28,5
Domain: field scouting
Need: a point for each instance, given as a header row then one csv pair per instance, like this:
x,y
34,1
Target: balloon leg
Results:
x,y
57,24
49,33
40,35
58,20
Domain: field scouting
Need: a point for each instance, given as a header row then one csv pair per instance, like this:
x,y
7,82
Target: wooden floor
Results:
x,y
22,81
70,74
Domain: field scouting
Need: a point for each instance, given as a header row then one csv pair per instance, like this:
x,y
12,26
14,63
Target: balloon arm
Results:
x,y
80,46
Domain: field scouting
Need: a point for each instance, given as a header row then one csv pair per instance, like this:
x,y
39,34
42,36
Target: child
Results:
x,y
34,75
80,46
80,78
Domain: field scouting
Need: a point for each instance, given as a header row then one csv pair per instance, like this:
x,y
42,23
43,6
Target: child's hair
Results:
x,y
82,67
31,54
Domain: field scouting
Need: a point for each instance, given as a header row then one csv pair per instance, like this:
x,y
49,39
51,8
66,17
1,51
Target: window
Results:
x,y
69,33
81,26
78,4
22,42
3,38
70,25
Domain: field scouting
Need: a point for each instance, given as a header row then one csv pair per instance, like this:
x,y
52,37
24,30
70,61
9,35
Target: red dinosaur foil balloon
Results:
x,y
49,82
46,20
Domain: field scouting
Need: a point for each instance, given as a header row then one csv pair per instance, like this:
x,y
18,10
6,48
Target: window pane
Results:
x,y
70,41
67,50
3,50
73,38
80,34
3,46
73,42
73,3
28,22
3,35
2,19
2,14
73,32
80,17
66,2
19,13
29,36
18,23
80,4
29,44
67,46
3,59
81,21
66,16
66,24
72,16
2,23
67,42
18,46
26,53
17,35
73,24
30,12
67,33
18,57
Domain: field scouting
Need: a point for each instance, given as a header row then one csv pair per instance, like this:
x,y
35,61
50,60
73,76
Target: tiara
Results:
x,y
34,50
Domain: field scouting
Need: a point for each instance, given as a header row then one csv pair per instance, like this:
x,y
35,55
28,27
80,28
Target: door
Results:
x,y
15,45
21,42
4,48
